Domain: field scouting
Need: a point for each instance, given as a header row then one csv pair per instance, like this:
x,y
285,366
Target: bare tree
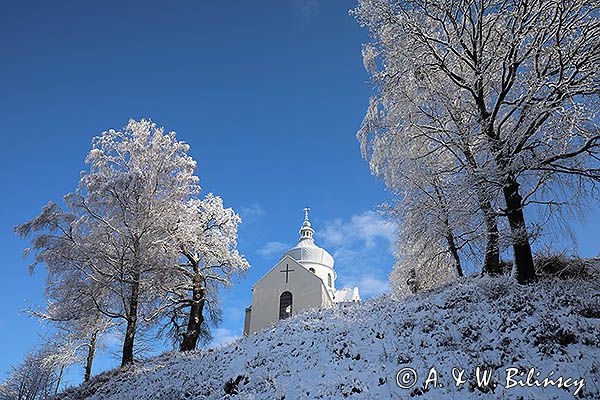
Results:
x,y
71,305
36,378
424,259
76,341
115,236
509,87
134,245
208,260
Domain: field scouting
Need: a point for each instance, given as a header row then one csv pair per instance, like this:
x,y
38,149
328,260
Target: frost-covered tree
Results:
x,y
208,260
144,179
134,244
439,199
72,311
427,250
76,340
116,234
71,298
508,89
35,378
424,149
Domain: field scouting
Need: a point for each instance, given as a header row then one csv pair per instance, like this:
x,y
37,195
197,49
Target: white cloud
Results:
x,y
371,286
366,228
222,337
272,249
252,213
362,249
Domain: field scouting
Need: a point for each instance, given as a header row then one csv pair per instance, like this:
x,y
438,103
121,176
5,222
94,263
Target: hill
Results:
x,y
355,351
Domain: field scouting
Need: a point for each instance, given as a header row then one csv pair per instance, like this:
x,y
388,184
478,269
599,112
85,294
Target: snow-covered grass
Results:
x,y
356,350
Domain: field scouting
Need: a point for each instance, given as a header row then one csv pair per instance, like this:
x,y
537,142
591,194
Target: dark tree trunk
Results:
x,y
522,250
411,281
449,234
90,357
454,252
514,212
132,315
196,316
59,379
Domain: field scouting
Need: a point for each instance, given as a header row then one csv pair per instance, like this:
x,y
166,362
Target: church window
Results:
x,y
312,270
285,305
329,280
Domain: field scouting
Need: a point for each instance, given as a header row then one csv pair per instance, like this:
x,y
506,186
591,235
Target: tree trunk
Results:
x,y
449,234
131,321
491,261
90,357
454,252
60,374
196,317
522,250
514,212
411,281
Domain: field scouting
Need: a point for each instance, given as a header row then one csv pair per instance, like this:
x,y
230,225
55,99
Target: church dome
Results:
x,y
311,254
306,251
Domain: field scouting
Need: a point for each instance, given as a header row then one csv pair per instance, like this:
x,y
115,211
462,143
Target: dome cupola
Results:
x,y
311,256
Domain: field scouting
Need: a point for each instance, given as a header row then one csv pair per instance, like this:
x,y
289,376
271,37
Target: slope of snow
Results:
x,y
355,350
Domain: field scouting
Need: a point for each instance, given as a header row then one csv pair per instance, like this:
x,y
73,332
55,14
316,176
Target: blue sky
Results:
x,y
269,94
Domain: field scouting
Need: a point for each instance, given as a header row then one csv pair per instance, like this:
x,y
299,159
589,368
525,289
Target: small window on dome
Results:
x,y
329,280
312,270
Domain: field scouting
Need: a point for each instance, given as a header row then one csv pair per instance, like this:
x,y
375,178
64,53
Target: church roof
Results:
x,y
306,250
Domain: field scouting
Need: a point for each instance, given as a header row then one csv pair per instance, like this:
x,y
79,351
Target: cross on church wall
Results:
x,y
287,270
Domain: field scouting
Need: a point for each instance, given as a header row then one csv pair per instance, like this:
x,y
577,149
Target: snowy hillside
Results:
x,y
356,350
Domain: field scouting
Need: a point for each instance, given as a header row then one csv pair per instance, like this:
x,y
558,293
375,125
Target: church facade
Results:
x,y
303,278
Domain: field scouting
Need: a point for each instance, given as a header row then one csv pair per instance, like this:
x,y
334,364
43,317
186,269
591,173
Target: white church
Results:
x,y
303,278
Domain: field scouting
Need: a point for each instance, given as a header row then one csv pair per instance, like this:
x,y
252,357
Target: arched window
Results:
x,y
285,305
312,270
329,280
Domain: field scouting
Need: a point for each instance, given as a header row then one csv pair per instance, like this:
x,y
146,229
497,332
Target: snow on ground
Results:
x,y
356,350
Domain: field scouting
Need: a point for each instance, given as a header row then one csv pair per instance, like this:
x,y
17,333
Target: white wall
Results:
x,y
322,271
307,291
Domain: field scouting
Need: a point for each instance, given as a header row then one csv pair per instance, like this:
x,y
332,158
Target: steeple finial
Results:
x,y
306,232
306,210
